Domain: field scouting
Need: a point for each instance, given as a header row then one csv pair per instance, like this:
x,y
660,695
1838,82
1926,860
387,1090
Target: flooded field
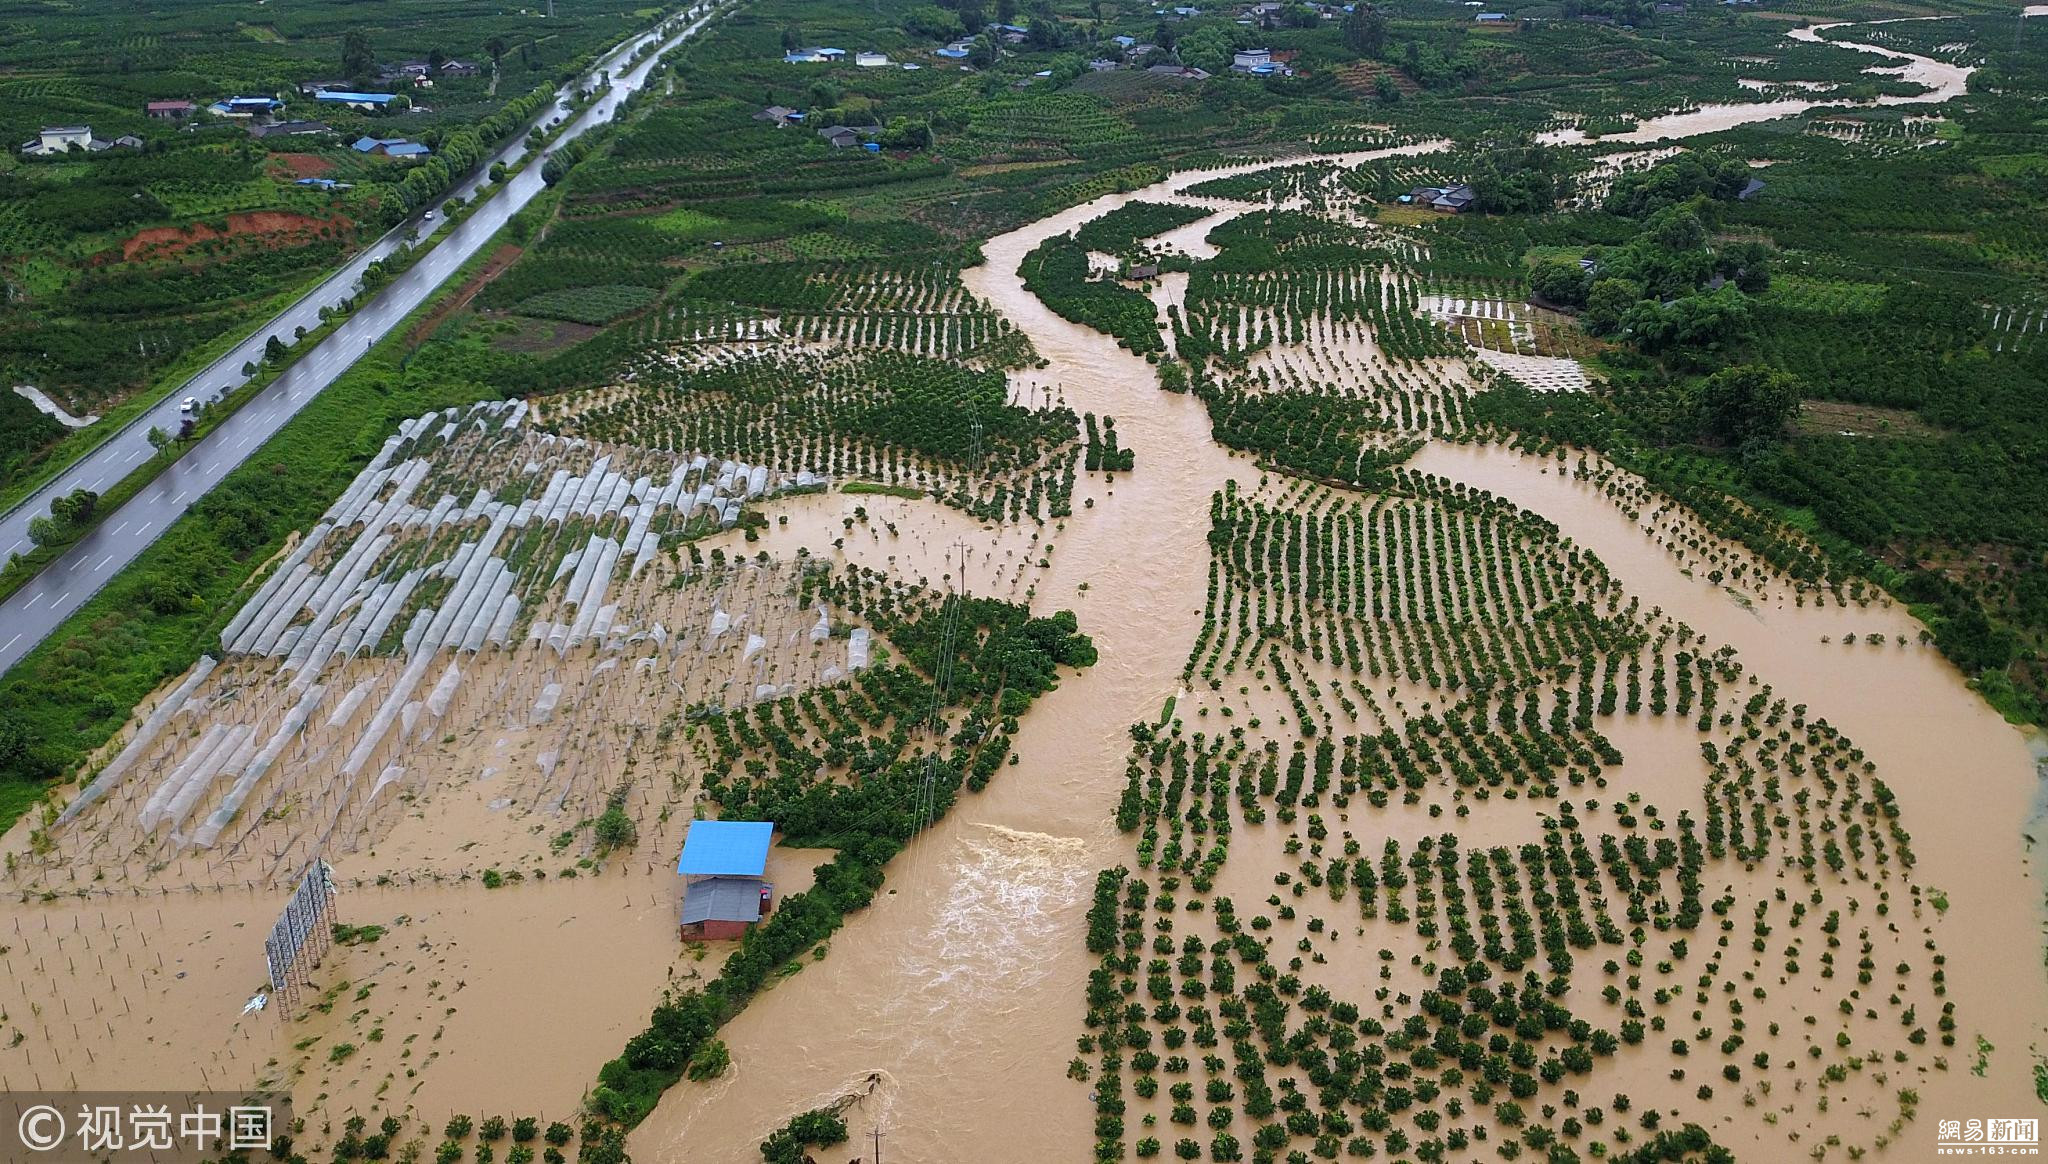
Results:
x,y
1140,548
1502,799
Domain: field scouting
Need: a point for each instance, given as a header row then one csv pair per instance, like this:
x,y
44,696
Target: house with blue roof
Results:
x,y
722,866
390,147
363,101
245,107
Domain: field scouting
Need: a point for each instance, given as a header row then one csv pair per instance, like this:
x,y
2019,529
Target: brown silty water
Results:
x,y
948,1010
956,991
945,1014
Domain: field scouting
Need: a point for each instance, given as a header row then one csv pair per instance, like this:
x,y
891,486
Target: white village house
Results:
x,y
57,139
62,139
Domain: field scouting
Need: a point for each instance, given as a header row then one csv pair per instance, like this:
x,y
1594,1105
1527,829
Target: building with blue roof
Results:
x,y
245,106
355,100
722,863
722,908
390,147
713,848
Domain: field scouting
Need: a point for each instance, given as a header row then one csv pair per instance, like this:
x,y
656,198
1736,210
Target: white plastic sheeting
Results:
x,y
444,690
544,707
857,649
291,568
209,743
501,625
385,779
346,709
380,623
139,744
412,524
491,609
591,601
387,712
265,630
258,766
234,751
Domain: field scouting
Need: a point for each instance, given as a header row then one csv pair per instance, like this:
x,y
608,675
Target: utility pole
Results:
x,y
877,1134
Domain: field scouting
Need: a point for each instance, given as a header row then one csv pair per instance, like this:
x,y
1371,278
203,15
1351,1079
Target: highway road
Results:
x,y
31,613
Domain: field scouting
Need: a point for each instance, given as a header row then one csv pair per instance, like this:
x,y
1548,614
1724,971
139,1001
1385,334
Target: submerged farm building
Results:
x,y
722,864
1442,199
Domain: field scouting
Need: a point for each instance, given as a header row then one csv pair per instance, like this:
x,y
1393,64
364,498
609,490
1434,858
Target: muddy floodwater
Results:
x,y
945,1016
1941,79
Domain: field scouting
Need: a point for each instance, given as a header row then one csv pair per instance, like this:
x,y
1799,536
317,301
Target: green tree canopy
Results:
x,y
358,59
1205,48
1562,282
933,22
1747,403
1365,30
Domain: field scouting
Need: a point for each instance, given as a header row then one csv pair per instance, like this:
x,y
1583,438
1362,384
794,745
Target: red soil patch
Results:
x,y
300,165
270,227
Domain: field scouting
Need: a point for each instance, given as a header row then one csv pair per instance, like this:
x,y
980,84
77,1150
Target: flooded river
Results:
x,y
950,1009
945,1016
1942,80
